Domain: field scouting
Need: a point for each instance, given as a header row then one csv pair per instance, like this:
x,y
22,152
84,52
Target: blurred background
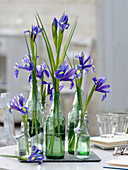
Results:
x,y
102,30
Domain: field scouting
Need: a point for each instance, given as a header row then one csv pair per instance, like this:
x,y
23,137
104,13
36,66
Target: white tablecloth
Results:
x,y
14,164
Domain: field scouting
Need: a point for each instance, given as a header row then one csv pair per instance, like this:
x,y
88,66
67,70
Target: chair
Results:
x,y
8,130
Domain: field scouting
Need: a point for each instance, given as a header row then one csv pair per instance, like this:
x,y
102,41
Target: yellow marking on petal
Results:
x,y
9,108
78,71
47,81
24,109
80,55
28,64
61,72
62,22
96,82
34,32
93,66
33,158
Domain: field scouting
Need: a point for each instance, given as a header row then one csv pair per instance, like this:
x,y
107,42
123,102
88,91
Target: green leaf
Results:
x,y
69,61
59,42
68,42
47,43
54,35
27,46
48,68
35,51
18,157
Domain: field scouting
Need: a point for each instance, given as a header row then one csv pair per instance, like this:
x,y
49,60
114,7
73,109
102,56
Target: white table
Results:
x,y
14,164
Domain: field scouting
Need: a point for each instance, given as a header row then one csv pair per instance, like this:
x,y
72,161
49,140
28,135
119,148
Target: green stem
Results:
x,y
25,133
89,97
18,157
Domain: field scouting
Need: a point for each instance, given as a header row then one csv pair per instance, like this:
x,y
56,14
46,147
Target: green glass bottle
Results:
x,y
38,141
55,131
23,140
73,121
82,138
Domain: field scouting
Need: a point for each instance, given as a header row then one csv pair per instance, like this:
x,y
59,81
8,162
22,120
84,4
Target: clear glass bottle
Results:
x,y
73,121
38,141
55,131
23,140
82,138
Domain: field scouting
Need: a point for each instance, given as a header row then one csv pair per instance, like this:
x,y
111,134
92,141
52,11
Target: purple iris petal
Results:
x,y
15,101
21,99
63,22
100,87
86,71
63,66
104,96
49,90
24,110
78,73
64,73
72,84
51,97
29,78
55,22
79,67
16,72
40,69
61,87
44,82
87,59
35,149
46,73
69,74
59,74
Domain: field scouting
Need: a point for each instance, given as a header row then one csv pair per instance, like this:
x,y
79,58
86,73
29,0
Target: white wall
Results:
x,y
113,52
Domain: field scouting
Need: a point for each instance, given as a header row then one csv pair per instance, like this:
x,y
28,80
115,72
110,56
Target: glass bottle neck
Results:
x,y
56,107
76,101
25,127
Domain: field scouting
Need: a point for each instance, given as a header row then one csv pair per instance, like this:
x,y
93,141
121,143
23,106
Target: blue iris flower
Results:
x,y
40,69
63,22
65,74
36,155
27,65
18,104
102,88
34,32
83,64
